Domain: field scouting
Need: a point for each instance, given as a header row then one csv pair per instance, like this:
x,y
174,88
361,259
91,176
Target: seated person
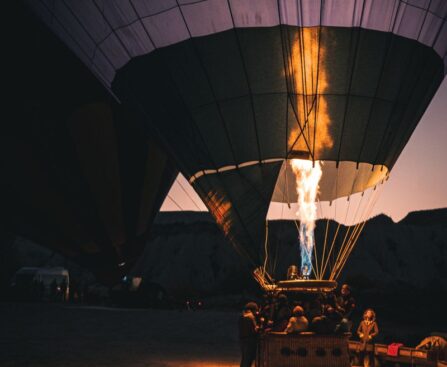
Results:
x,y
326,323
314,310
281,314
298,322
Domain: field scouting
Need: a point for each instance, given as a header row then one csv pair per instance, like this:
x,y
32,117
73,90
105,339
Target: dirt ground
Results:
x,y
55,335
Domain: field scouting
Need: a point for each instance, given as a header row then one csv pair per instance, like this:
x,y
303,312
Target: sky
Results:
x,y
417,181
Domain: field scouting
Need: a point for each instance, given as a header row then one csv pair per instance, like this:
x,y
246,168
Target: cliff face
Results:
x,y
411,253
187,254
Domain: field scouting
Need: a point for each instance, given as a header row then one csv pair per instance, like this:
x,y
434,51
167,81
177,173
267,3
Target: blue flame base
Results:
x,y
306,246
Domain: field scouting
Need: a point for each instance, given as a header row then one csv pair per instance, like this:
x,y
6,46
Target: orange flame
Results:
x,y
307,179
308,73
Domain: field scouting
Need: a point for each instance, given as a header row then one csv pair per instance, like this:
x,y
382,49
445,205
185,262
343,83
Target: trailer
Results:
x,y
405,356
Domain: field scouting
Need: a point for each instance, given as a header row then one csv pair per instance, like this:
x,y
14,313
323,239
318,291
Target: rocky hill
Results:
x,y
188,254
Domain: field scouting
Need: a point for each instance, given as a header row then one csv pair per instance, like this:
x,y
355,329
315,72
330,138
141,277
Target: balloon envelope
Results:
x,y
235,88
78,174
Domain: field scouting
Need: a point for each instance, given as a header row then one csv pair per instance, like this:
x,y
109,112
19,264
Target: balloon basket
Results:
x,y
303,350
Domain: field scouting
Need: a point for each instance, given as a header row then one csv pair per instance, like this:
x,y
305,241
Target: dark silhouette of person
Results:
x,y
248,332
63,288
345,305
53,290
282,313
328,322
315,309
345,301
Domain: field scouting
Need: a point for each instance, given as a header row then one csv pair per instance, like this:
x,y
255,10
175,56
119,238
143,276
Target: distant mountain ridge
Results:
x,y
188,253
426,217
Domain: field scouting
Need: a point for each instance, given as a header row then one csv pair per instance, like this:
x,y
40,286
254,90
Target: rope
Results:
x,y
331,249
324,248
343,253
266,253
187,194
178,206
354,241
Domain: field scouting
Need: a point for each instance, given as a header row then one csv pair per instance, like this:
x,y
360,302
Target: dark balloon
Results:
x,y
236,88
79,173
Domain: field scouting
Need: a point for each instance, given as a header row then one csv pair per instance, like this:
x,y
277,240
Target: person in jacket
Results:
x,y
298,322
345,305
345,301
367,332
248,331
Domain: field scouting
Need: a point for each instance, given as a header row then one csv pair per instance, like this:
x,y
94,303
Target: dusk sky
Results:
x,y
417,181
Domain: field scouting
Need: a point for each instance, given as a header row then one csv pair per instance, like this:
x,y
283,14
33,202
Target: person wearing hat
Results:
x,y
248,331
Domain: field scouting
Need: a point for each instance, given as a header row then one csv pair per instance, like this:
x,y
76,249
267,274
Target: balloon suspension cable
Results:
x,y
326,261
353,238
175,203
354,241
317,276
266,252
356,233
324,249
187,194
347,232
344,243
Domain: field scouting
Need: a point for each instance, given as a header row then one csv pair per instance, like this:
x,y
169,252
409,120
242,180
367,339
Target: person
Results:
x,y
333,318
282,313
345,301
305,272
248,330
298,322
63,288
315,309
292,272
328,322
367,331
345,304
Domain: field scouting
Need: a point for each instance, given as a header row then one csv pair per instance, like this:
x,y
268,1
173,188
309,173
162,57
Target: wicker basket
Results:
x,y
303,350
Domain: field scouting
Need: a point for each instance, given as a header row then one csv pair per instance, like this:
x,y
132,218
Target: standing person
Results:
x,y
367,331
248,331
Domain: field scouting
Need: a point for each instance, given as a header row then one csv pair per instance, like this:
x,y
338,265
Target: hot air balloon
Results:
x,y
78,176
238,88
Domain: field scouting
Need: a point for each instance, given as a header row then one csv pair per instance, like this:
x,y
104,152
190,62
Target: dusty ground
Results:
x,y
53,335
56,335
